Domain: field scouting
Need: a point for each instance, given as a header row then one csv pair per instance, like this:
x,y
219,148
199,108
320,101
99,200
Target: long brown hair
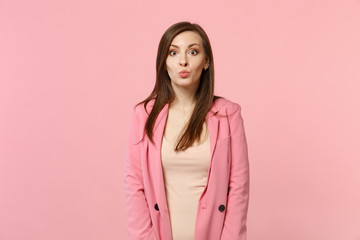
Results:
x,y
163,92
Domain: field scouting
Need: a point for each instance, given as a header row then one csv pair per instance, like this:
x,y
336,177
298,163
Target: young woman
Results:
x,y
186,169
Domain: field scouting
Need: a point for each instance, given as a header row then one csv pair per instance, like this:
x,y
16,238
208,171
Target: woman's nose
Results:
x,y
183,61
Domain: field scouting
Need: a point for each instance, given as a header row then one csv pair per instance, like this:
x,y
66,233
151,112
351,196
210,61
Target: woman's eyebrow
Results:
x,y
188,46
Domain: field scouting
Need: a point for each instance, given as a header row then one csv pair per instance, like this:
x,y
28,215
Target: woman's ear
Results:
x,y
206,64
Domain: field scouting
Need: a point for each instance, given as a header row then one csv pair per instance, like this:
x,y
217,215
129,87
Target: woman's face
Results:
x,y
186,53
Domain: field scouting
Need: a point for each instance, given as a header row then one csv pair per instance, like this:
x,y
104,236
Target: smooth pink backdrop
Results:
x,y
70,71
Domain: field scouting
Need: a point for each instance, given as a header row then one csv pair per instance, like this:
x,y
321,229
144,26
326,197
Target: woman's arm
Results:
x,y
139,225
238,194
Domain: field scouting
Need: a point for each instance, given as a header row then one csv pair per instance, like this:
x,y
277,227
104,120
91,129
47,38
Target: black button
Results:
x,y
156,207
221,208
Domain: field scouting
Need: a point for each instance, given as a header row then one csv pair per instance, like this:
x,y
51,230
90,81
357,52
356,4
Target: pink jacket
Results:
x,y
222,207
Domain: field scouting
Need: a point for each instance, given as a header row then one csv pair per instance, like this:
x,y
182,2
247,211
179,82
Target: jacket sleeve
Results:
x,y
138,220
234,227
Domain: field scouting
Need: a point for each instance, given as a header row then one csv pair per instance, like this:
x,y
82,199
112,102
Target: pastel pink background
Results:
x,y
70,72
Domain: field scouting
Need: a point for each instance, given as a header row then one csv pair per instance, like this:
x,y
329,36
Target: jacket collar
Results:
x,y
211,121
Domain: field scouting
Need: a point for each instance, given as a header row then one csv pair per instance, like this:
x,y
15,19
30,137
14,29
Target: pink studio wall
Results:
x,y
70,71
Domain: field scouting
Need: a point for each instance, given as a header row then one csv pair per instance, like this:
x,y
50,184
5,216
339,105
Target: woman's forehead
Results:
x,y
186,38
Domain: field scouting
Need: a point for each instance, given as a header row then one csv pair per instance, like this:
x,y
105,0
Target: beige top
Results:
x,y
185,176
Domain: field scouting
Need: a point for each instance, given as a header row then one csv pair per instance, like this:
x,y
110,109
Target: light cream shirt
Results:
x,y
185,176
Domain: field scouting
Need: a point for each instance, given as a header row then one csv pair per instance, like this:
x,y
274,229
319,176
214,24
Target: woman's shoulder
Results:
x,y
139,109
225,106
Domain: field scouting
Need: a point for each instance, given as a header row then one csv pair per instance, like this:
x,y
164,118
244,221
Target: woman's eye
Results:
x,y
171,52
194,51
